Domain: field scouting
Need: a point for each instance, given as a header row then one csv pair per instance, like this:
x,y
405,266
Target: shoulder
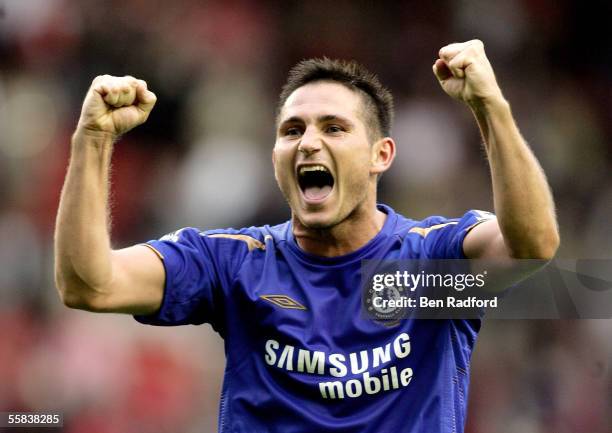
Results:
x,y
253,237
406,226
231,240
434,223
439,236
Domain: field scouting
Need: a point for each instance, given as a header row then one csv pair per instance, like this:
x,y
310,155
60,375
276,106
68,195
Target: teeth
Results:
x,y
312,168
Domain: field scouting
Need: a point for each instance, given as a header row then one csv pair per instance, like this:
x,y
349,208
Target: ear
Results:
x,y
383,153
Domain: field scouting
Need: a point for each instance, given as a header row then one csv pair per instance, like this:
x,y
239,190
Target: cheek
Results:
x,y
282,164
356,176
278,156
357,165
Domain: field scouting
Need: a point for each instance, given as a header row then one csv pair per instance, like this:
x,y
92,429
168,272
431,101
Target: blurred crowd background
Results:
x,y
203,159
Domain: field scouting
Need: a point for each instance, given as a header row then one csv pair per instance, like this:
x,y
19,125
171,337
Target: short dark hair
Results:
x,y
378,101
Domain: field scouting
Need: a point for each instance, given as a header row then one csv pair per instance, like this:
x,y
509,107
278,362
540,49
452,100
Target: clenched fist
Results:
x,y
464,72
114,105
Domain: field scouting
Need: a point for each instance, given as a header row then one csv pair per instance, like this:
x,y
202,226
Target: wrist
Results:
x,y
84,136
489,105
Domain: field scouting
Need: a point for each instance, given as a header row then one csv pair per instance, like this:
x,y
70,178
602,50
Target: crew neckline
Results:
x,y
386,229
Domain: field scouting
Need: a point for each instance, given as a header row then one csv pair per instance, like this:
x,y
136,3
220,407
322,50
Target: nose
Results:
x,y
310,142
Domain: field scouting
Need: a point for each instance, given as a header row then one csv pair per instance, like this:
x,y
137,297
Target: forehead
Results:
x,y
322,97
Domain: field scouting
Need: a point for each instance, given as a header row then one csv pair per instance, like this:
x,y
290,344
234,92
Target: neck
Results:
x,y
351,234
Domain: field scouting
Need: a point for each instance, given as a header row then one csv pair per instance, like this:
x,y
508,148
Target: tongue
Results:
x,y
317,192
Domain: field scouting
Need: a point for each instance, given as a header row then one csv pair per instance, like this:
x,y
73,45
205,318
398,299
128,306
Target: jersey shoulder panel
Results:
x,y
439,237
200,268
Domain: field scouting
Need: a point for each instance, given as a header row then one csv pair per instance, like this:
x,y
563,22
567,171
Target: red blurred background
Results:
x,y
203,159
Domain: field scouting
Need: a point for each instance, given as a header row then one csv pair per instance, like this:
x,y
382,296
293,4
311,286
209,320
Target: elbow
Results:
x,y
62,289
543,247
72,300
548,246
76,295
71,296
544,252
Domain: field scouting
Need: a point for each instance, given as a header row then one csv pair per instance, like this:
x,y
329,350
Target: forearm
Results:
x,y
522,198
82,243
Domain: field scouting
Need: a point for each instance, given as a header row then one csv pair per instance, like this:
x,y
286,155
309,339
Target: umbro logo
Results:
x,y
283,301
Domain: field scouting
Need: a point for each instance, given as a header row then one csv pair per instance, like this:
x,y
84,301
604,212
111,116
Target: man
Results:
x,y
286,299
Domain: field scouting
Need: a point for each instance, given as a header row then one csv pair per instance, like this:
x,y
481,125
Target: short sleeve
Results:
x,y
443,238
199,270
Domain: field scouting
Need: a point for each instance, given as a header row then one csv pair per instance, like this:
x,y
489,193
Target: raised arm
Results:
x,y
526,226
89,274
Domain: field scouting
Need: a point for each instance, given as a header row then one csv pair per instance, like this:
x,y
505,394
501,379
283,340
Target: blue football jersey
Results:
x,y
300,355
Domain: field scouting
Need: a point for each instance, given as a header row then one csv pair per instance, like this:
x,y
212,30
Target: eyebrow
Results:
x,y
321,119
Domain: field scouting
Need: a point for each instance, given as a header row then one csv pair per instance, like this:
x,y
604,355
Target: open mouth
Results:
x,y
315,181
